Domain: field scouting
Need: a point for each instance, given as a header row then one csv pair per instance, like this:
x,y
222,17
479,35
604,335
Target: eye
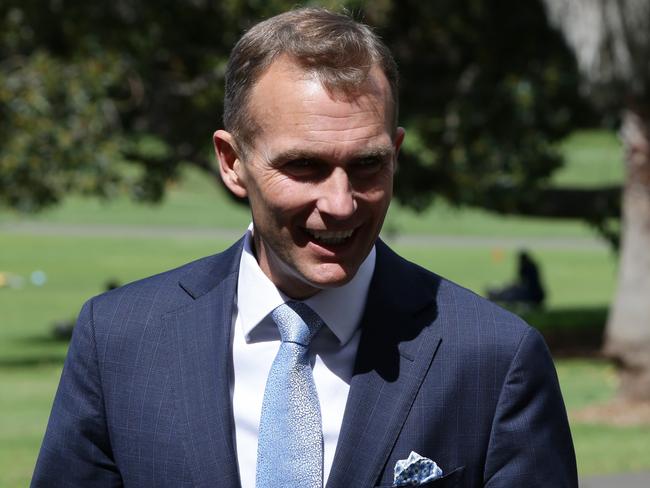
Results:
x,y
369,164
300,163
304,168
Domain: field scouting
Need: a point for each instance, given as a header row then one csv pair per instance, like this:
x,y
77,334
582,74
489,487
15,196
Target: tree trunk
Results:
x,y
627,336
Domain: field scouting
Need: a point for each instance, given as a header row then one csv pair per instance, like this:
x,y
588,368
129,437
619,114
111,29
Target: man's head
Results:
x,y
333,47
311,140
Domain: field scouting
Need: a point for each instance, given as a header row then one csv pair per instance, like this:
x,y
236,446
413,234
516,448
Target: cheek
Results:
x,y
282,201
267,191
376,192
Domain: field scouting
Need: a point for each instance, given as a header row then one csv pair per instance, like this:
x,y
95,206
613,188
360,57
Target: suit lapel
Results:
x,y
395,352
202,370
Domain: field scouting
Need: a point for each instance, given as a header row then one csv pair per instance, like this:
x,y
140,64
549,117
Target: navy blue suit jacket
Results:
x,y
144,398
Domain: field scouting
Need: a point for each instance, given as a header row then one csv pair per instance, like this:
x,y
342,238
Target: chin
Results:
x,y
330,276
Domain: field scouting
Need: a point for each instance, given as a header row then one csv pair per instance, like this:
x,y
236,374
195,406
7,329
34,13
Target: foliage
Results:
x,y
487,87
107,97
55,118
93,84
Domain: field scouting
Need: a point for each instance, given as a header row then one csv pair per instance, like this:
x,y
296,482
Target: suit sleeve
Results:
x,y
530,442
76,450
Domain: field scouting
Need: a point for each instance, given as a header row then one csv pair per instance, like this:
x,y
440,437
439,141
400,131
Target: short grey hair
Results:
x,y
335,48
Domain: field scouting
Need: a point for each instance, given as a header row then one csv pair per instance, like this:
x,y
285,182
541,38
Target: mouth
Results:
x,y
330,237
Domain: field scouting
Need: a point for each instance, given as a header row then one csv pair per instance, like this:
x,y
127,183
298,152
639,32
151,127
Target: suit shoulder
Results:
x,y
486,323
462,311
478,328
481,305
164,292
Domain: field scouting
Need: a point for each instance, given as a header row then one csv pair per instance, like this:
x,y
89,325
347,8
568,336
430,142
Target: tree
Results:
x,y
108,97
485,109
611,40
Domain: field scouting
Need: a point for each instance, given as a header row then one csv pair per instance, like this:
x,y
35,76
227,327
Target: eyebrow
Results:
x,y
379,152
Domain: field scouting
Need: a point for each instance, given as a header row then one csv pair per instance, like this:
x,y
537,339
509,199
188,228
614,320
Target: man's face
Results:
x,y
318,175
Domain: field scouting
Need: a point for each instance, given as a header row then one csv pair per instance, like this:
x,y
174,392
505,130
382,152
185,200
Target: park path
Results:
x,y
144,231
628,480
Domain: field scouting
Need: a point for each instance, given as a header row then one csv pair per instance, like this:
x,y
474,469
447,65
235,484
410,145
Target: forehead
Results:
x,y
289,98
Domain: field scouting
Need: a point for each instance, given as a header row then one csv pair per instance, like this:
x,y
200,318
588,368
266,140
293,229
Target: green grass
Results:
x,y
594,157
586,381
573,277
195,202
600,449
26,395
603,449
443,219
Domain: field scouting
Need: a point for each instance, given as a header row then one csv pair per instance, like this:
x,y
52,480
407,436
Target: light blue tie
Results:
x,y
290,442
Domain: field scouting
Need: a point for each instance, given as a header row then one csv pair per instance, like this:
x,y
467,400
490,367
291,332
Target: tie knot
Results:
x,y
296,322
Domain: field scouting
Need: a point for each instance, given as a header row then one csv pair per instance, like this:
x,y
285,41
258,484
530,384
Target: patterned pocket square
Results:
x,y
415,470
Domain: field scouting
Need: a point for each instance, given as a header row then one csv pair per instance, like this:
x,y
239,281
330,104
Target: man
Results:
x,y
177,380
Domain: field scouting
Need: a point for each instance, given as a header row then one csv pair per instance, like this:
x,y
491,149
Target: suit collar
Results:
x,y
210,272
400,301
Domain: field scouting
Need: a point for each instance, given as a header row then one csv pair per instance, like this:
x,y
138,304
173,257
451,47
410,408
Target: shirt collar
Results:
x,y
340,308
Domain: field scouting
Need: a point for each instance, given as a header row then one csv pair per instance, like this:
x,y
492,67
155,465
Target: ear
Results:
x,y
230,164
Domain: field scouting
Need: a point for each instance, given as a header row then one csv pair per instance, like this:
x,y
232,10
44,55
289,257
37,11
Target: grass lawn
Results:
x,y
580,283
600,448
594,157
26,394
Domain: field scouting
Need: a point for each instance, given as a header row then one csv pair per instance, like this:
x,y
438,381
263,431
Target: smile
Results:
x,y
330,237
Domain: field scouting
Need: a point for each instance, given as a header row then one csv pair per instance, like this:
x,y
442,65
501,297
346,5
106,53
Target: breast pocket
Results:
x,y
448,480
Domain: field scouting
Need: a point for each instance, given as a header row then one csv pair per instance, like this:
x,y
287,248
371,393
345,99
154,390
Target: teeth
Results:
x,y
330,237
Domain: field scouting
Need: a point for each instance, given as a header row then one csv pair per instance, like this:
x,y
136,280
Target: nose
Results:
x,y
337,196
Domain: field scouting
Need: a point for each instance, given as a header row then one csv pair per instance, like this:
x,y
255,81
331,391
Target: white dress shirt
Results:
x,y
256,341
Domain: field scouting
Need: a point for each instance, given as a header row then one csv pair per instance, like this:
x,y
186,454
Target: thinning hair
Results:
x,y
336,49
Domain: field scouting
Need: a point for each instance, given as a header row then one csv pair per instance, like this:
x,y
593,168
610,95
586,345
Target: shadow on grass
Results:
x,y
570,331
32,361
34,351
42,340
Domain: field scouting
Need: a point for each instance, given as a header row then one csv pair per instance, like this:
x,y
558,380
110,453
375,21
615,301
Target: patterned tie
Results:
x,y
290,442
